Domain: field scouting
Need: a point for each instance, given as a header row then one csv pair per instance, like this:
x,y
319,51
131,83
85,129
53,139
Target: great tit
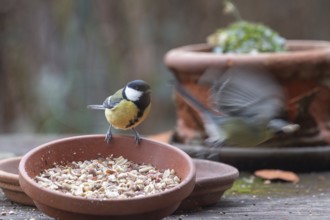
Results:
x,y
127,108
249,102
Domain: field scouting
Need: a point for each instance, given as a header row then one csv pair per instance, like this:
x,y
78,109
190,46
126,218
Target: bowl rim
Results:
x,y
228,173
10,187
9,177
24,177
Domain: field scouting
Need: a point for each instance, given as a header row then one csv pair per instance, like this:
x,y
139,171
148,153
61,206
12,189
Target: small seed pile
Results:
x,y
107,178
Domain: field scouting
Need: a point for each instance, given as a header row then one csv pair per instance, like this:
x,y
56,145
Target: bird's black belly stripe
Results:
x,y
136,119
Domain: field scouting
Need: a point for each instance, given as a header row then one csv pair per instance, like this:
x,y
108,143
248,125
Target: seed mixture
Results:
x,y
107,178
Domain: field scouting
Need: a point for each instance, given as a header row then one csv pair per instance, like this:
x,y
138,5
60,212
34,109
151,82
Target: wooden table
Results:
x,y
251,198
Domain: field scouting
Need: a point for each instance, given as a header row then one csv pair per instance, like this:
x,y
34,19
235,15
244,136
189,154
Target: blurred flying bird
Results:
x,y
250,103
127,108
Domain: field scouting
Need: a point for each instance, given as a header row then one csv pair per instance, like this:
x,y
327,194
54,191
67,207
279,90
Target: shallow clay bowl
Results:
x,y
212,180
62,206
9,181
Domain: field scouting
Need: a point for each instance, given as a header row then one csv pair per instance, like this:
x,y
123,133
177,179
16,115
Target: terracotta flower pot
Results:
x,y
303,70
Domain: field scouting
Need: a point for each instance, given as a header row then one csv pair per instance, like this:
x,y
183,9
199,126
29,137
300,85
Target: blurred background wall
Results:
x,y
57,56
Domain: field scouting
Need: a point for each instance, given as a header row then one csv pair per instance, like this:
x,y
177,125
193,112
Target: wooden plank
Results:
x,y
10,210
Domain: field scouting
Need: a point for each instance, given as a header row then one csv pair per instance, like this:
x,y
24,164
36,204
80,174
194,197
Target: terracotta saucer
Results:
x,y
9,181
212,180
63,206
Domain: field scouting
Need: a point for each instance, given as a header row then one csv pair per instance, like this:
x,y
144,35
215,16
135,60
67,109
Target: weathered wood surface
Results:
x,y
308,199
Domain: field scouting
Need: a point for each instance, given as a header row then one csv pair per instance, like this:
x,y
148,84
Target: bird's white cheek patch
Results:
x,y
132,94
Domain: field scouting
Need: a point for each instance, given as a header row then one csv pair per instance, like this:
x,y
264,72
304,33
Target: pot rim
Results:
x,y
195,57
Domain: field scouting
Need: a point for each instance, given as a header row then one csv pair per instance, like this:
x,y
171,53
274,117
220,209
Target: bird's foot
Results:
x,y
214,143
137,136
108,135
212,151
137,139
207,155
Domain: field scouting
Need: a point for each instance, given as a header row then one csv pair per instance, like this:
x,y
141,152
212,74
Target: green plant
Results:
x,y
244,37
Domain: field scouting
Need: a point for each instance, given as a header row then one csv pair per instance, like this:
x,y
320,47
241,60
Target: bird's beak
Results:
x,y
288,129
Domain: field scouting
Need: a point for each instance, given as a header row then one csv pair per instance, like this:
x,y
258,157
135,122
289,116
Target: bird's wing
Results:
x,y
110,102
113,100
247,91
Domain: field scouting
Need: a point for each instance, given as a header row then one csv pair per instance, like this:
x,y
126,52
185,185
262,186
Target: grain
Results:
x,y
107,178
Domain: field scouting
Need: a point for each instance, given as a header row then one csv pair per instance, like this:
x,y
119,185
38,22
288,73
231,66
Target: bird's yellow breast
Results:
x,y
125,115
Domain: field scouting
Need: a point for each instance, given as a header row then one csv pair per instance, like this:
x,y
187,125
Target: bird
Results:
x,y
248,106
127,108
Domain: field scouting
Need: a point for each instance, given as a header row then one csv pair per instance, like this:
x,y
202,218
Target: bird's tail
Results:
x,y
187,97
98,107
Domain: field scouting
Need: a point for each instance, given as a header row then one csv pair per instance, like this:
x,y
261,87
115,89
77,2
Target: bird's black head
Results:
x,y
138,91
139,85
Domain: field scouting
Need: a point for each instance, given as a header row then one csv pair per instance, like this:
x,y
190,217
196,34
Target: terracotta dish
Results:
x,y
212,180
62,206
9,181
